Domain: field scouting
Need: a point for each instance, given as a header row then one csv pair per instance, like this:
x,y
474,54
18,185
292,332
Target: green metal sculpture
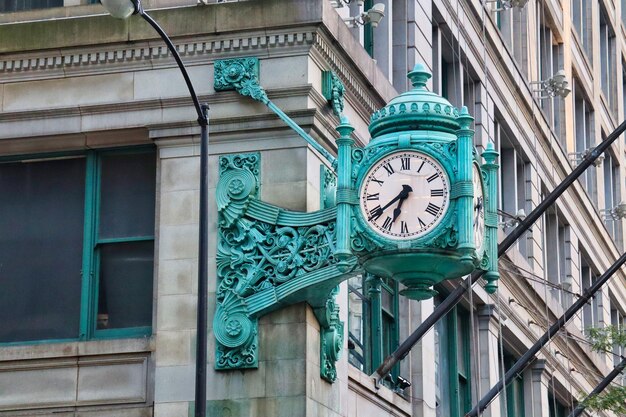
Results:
x,y
415,205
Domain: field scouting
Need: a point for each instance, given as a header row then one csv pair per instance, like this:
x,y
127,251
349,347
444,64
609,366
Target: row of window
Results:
x,y
7,6
77,245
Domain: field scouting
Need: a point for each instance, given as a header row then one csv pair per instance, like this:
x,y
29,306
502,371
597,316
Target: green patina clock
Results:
x,y
420,217
415,205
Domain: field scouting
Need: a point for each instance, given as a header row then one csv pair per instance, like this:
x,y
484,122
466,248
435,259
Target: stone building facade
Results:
x,y
99,164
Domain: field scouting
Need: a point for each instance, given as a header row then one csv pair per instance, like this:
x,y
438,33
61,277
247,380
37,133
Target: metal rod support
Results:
x,y
456,295
203,121
543,340
202,118
601,386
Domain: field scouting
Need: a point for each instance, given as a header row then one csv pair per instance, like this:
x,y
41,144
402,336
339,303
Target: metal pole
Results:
x,y
203,121
601,386
534,349
456,295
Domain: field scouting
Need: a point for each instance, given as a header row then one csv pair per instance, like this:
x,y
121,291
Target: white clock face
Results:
x,y
479,210
405,195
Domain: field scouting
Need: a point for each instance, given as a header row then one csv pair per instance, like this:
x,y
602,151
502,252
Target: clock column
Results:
x,y
346,194
491,218
465,186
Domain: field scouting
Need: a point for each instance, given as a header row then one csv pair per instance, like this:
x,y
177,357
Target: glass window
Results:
x,y
452,363
41,238
581,16
607,61
514,391
21,5
590,311
77,229
585,139
372,322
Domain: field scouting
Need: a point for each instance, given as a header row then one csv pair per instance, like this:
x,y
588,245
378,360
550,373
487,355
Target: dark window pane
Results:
x,y
20,5
125,291
41,236
127,193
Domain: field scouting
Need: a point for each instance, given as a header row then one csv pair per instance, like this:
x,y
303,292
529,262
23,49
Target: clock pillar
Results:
x,y
346,194
464,185
491,217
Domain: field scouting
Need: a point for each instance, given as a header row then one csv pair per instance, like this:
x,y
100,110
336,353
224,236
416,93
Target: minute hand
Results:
x,y
406,189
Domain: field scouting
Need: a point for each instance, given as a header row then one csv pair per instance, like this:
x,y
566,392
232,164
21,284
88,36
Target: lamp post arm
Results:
x,y
202,119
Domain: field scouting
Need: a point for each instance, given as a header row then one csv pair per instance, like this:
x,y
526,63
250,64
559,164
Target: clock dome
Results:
x,y
416,109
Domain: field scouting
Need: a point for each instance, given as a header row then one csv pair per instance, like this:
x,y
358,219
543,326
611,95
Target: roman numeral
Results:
x,y
404,228
421,166
422,224
388,168
387,223
378,181
436,193
372,196
406,163
433,209
375,213
433,177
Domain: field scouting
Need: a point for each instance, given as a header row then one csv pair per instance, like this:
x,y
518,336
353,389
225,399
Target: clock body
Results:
x,y
407,213
404,195
478,213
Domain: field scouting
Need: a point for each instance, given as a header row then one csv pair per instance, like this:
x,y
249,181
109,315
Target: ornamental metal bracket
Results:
x,y
242,75
269,257
333,90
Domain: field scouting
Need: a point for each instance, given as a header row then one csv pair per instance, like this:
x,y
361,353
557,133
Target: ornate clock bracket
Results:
x,y
242,75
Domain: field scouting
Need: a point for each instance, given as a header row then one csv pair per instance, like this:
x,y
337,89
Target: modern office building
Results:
x,y
99,177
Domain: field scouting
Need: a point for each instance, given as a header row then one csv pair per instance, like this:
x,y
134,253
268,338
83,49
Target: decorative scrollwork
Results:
x,y
255,254
240,74
447,239
331,336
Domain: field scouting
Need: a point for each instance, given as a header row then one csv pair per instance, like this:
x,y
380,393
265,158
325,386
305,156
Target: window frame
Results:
x,y
90,247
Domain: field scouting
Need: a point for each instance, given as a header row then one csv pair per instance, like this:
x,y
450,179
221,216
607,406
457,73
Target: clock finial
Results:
x,y
419,76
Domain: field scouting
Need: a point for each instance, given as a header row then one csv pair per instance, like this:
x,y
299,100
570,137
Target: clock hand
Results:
x,y
406,189
397,210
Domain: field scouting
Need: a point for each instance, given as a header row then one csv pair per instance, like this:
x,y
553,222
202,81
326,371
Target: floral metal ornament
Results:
x,y
268,257
333,90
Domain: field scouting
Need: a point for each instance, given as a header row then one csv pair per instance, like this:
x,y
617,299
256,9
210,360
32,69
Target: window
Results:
x,y
357,311
77,228
591,313
7,6
453,390
556,235
514,30
550,62
514,176
372,321
21,5
581,16
557,409
618,321
612,194
585,139
514,391
607,62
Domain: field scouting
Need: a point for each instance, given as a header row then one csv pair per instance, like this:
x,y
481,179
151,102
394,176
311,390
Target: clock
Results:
x,y
404,195
478,213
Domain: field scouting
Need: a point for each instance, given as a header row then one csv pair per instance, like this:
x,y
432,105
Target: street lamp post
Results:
x,y
122,9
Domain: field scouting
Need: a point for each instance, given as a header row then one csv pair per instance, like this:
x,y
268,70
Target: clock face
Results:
x,y
479,209
404,195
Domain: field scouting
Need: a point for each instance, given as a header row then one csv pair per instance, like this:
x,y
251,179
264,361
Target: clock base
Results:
x,y
418,272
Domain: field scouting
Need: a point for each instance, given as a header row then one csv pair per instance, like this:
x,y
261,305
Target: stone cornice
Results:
x,y
101,58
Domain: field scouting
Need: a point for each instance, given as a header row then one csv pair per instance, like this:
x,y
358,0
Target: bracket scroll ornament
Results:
x,y
267,258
